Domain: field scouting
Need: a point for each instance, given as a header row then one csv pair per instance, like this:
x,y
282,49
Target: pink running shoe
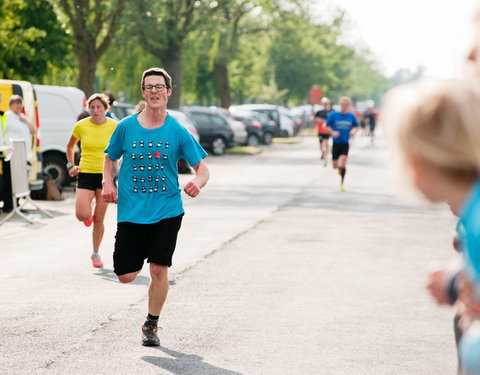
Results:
x,y
96,260
88,222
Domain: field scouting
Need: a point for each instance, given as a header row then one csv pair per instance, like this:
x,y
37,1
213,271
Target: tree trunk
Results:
x,y
86,76
220,76
172,66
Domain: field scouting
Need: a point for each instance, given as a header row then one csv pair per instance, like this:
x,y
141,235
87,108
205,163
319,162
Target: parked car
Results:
x,y
122,110
182,118
285,127
58,108
213,128
256,121
30,109
305,113
240,133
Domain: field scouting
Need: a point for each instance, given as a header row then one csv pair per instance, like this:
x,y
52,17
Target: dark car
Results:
x,y
122,110
255,121
214,131
284,125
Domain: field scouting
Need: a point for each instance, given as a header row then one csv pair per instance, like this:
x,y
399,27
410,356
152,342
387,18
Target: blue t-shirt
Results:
x,y
148,188
470,236
343,123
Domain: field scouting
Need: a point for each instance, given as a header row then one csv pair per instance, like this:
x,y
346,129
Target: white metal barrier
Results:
x,y
20,186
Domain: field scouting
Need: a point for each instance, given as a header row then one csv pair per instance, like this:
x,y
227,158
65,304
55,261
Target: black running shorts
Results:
x,y
136,242
339,149
89,181
322,137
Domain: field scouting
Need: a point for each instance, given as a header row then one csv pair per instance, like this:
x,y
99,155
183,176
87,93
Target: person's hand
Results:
x,y
437,288
74,171
109,192
335,134
192,189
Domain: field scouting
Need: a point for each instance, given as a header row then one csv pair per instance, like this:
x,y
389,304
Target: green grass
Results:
x,y
244,150
287,141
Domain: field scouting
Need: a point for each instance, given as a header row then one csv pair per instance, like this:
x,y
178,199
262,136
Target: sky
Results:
x,y
408,33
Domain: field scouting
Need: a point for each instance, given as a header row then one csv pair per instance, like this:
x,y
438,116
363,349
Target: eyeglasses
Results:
x,y
159,88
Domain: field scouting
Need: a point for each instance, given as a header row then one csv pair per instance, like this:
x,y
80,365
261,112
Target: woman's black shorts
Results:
x,y
339,149
322,137
89,181
136,242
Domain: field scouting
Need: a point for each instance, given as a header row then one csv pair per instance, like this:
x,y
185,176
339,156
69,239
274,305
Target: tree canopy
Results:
x,y
218,52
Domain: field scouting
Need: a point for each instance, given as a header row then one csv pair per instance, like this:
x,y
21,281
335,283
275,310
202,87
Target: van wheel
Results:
x,y
218,146
56,168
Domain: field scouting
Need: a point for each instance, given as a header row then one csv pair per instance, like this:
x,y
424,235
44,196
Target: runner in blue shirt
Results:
x,y
149,200
341,125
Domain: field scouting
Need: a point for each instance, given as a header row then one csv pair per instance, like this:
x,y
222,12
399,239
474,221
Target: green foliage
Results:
x,y
31,38
267,50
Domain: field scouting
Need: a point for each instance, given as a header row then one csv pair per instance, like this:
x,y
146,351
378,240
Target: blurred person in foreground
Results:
x,y
342,125
322,131
93,133
435,127
150,208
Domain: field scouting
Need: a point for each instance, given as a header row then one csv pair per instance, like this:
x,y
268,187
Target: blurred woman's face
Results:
x,y
428,179
16,107
97,111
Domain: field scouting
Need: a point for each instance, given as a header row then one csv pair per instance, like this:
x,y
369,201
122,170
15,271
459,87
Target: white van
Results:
x,y
58,109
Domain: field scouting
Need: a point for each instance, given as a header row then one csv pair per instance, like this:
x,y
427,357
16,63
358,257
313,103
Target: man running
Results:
x,y
341,125
323,134
369,119
150,207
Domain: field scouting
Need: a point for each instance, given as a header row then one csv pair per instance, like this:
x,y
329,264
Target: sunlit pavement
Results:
x,y
276,272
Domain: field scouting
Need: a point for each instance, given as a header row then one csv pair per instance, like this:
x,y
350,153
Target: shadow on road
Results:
x,y
109,275
186,364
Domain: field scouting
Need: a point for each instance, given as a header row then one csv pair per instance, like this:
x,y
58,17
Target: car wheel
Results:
x,y
284,133
55,167
218,146
252,140
267,138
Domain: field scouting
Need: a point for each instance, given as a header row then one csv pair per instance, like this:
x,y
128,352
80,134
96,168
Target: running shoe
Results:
x,y
149,335
96,260
88,222
342,187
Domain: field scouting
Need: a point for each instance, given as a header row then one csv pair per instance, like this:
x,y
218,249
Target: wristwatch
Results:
x,y
70,165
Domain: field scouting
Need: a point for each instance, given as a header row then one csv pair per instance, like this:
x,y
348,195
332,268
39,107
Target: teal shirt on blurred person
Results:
x,y
470,234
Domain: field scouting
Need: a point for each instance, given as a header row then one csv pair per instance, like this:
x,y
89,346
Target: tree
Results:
x,y
163,29
30,38
225,41
406,75
93,25
367,80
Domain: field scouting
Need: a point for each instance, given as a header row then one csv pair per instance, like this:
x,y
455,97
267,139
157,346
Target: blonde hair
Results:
x,y
438,121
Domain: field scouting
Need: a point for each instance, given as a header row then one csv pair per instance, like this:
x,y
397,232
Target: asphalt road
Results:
x,y
276,272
